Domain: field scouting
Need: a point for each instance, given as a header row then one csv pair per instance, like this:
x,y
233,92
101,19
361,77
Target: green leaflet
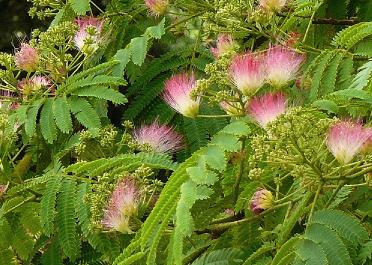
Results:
x,y
80,6
136,50
84,112
47,205
346,226
363,77
226,256
65,219
330,242
52,255
310,253
30,121
62,116
47,124
350,36
102,93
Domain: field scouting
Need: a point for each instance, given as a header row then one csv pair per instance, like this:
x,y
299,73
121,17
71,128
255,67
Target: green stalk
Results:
x,y
288,226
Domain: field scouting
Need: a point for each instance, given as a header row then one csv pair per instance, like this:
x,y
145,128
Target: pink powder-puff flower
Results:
x,y
177,94
272,5
346,139
282,65
161,138
225,43
266,108
123,205
34,84
89,35
247,71
27,58
157,7
261,200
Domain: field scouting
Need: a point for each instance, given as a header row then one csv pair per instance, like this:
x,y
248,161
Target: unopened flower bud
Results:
x,y
262,199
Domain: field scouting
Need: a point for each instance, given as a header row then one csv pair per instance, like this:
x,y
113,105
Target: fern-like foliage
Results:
x,y
350,36
331,237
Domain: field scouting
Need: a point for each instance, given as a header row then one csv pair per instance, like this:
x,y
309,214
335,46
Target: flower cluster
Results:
x,y
122,206
161,138
277,66
346,139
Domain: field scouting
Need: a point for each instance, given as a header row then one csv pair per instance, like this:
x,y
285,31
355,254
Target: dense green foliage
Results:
x,y
69,122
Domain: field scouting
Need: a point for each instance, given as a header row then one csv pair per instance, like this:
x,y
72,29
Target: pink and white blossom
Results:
x,y
123,205
27,58
225,43
282,65
266,108
261,200
89,35
272,5
346,139
247,71
161,138
157,7
177,94
34,84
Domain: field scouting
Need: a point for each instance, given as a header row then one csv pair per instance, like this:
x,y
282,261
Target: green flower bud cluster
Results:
x,y
98,198
108,136
43,9
294,144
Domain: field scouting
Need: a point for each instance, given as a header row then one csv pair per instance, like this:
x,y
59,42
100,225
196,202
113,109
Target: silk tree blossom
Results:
x,y
247,71
27,58
272,5
225,43
261,200
157,7
123,205
177,94
161,138
89,34
34,84
282,65
346,139
266,108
